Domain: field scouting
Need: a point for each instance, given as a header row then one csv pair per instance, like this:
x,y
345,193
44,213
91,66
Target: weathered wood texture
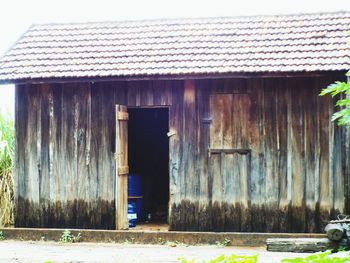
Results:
x,y
65,150
268,159
122,167
66,170
300,245
245,155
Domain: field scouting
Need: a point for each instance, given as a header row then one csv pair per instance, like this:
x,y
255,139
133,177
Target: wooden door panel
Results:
x,y
122,168
230,152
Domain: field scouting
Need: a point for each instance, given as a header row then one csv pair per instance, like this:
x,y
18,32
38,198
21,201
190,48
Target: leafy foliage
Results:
x,y
1,236
226,259
6,167
341,90
68,237
323,257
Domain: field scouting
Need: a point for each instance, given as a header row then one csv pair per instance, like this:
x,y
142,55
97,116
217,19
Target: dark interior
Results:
x,y
149,158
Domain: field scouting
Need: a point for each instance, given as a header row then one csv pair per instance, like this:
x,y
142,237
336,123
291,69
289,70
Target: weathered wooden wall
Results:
x,y
247,154
275,162
65,133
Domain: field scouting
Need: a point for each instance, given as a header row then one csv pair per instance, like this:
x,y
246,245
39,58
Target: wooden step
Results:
x,y
299,244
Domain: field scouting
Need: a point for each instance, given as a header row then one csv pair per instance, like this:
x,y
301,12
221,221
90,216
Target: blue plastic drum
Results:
x,y
135,194
132,215
134,185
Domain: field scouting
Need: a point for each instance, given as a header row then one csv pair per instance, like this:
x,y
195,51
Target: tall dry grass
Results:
x,y
6,170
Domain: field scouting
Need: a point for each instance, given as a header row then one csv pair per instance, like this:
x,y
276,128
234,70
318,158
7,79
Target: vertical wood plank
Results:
x,y
336,152
331,156
165,92
281,153
94,172
216,129
121,162
203,124
175,158
243,167
189,178
83,208
255,134
240,120
218,104
317,154
19,172
271,138
55,103
107,135
68,153
310,131
44,184
230,129
298,159
132,93
324,117
218,218
32,161
289,144
146,93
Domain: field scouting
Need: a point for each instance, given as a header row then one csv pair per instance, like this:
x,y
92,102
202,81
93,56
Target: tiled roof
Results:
x,y
280,43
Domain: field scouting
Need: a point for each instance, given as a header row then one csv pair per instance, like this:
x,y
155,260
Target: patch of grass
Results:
x,y
1,236
6,170
341,249
129,241
68,237
226,259
171,243
322,257
223,243
184,260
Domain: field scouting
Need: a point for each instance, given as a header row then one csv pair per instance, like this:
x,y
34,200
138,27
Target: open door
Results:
x,y
122,168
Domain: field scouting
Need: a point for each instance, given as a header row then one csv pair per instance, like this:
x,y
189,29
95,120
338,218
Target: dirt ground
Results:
x,y
40,252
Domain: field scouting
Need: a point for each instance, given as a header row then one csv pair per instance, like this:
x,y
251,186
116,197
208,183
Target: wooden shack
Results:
x,y
221,115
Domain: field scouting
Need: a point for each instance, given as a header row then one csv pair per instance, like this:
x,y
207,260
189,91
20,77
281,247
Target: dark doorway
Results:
x,y
149,161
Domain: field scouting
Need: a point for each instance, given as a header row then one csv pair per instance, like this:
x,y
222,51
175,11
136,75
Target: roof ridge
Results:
x,y
183,19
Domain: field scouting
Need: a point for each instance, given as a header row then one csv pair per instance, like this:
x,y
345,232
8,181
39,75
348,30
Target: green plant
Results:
x,y
183,260
68,237
226,259
223,243
6,167
171,243
341,89
129,241
322,257
341,249
1,236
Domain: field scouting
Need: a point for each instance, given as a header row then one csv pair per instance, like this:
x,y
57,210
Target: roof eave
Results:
x,y
172,77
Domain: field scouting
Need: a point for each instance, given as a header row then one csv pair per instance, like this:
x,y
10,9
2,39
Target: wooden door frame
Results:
x,y
169,134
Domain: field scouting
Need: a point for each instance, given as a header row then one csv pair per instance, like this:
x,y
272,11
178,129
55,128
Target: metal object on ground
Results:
x,y
334,231
339,229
